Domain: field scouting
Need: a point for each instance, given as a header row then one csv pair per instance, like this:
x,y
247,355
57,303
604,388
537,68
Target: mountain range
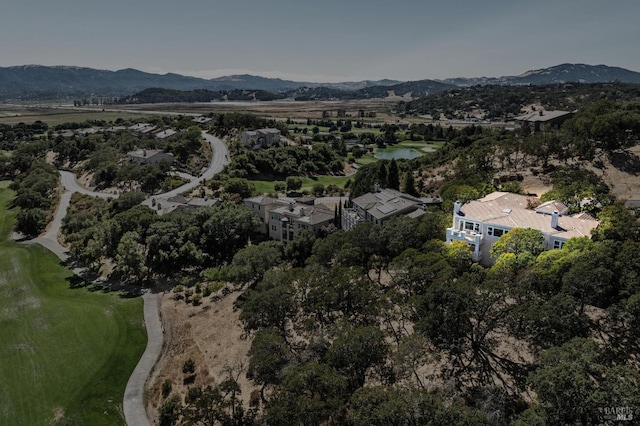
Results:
x,y
564,73
31,82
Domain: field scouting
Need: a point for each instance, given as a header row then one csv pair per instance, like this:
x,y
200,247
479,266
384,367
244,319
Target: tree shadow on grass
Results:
x,y
625,161
77,282
93,282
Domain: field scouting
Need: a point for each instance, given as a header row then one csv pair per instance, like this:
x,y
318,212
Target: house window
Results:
x,y
274,228
557,244
472,226
496,232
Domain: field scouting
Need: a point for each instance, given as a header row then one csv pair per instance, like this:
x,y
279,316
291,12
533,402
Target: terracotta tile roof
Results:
x,y
509,210
552,206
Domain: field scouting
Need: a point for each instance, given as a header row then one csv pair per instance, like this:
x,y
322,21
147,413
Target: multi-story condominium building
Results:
x,y
481,222
260,139
381,205
285,222
262,205
283,218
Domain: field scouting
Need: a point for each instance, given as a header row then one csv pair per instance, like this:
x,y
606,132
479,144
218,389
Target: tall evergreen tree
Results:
x,y
410,184
382,174
393,178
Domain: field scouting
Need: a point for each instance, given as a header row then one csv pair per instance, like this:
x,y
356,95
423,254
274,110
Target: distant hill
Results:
x,y
252,82
162,95
412,89
415,89
54,82
57,82
564,73
504,102
42,82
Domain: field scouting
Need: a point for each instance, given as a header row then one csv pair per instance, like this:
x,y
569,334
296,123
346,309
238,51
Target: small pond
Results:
x,y
397,153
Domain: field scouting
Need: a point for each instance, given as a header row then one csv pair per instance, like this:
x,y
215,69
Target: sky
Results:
x,y
321,41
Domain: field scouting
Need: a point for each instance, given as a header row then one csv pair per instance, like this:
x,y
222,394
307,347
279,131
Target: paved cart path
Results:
x,y
133,403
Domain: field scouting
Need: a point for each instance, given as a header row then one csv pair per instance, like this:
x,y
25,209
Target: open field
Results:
x,y
66,352
55,116
283,109
279,110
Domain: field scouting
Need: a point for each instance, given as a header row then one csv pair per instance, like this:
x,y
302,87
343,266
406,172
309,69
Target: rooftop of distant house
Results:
x,y
265,130
201,120
165,133
142,127
178,202
145,153
384,202
305,213
543,115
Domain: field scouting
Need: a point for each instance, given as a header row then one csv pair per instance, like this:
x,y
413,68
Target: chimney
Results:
x,y
290,207
376,187
554,220
301,212
456,207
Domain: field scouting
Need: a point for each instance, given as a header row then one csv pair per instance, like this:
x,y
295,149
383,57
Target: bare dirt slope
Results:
x,y
212,335
620,171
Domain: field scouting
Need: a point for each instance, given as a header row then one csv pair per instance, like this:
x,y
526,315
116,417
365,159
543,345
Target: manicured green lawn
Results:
x,y
65,352
419,144
366,159
357,130
267,187
263,186
339,181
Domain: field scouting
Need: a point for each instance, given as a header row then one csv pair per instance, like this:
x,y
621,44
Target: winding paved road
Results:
x,y
133,401
70,183
219,159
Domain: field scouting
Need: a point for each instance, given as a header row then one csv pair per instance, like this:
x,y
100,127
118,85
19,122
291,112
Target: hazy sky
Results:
x,y
321,40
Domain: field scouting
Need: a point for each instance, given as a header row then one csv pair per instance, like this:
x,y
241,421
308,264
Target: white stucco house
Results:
x,y
481,222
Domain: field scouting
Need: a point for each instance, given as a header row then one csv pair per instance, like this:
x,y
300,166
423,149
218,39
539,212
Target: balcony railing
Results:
x,y
470,237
